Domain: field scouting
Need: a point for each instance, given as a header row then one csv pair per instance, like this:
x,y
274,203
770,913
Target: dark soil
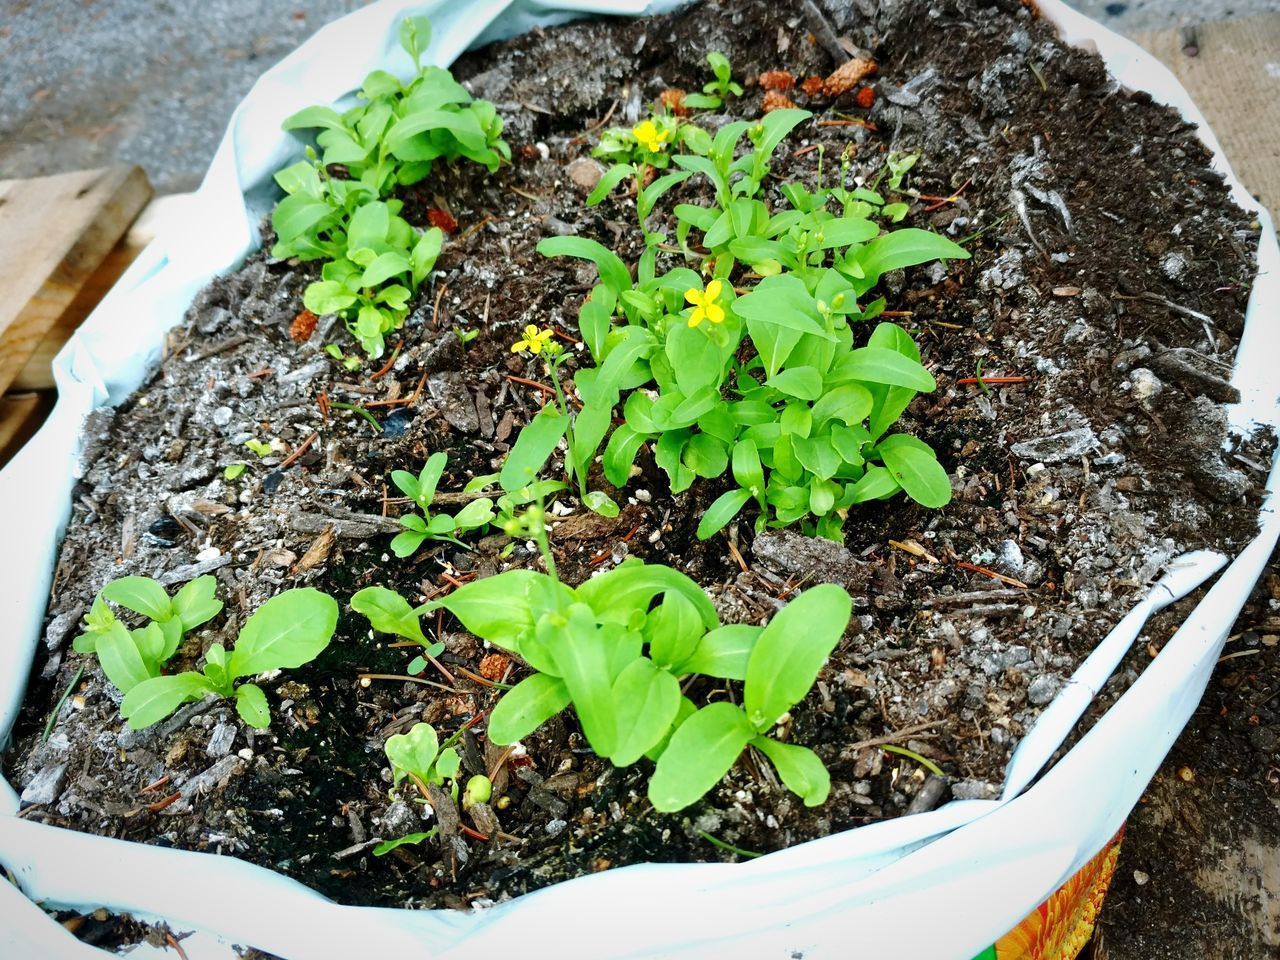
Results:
x,y
1102,237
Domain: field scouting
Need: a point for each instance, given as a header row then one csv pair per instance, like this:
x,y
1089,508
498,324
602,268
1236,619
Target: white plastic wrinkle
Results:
x,y
982,864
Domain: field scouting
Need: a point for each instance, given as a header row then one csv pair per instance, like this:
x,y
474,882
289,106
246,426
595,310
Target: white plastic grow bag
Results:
x,y
978,866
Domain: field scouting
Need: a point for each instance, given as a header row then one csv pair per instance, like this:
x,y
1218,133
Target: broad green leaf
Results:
x,y
386,266
904,248
406,482
493,608
802,382
414,752
876,484
849,404
429,476
475,514
154,699
527,706
817,455
725,508
584,668
172,630
287,631
141,595
723,652
673,630
196,602
120,659
407,543
533,447
597,501
777,124
747,469
800,769
706,456
613,272
881,365
702,750
916,469
150,642
311,117
647,699
620,454
618,593
425,253
327,296
251,704
844,232
299,214
388,612
215,669
791,650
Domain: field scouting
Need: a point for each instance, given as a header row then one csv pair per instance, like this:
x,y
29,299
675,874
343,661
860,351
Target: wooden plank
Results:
x,y
54,233
37,374
20,416
1234,78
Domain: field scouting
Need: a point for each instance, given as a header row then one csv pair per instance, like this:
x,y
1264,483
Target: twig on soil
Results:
x,y
435,307
603,120
821,29
525,193
161,804
173,942
951,199
531,383
386,368
913,548
850,122
736,554
362,677
305,445
992,381
155,784
473,228
218,348
910,731
258,374
57,707
401,400
974,568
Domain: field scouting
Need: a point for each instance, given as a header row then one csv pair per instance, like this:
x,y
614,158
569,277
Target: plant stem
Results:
x,y
356,409
716,841
57,707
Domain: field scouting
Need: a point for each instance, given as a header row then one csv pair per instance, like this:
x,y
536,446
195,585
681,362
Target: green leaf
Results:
x,y
425,253
876,484
297,215
120,658
701,752
647,699
583,665
154,699
527,706
388,612
904,248
915,466
673,630
881,365
610,179
287,631
493,608
777,124
386,846
196,602
533,447
429,478
620,454
597,501
706,456
406,544
251,704
629,588
141,595
311,117
724,509
383,268
215,669
613,272
804,383
475,514
747,469
327,296
800,769
845,232
414,752
723,652
150,643
415,36
849,404
791,650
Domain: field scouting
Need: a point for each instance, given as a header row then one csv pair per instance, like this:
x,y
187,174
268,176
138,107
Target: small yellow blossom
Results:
x,y
534,341
705,306
650,137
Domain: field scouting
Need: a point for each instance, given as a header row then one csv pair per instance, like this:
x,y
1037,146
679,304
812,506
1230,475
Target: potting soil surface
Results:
x,y
1108,280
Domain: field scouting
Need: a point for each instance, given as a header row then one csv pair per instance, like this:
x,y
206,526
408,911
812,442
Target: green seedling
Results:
x,y
478,790
618,649
287,631
382,849
128,657
259,447
232,471
419,756
423,526
718,90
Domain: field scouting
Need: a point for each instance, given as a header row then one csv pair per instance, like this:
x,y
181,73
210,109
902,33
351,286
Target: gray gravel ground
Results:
x,y
154,82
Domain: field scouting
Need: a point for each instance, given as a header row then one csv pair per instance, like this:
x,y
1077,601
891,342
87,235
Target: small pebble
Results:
x,y
271,482
163,532
1140,878
397,423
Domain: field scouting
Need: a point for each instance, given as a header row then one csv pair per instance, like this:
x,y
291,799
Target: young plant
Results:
x,y
620,660
418,756
128,657
287,631
718,90
423,526
556,421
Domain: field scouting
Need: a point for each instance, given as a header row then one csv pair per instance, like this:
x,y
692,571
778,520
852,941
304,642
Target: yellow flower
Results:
x,y
705,306
534,341
649,136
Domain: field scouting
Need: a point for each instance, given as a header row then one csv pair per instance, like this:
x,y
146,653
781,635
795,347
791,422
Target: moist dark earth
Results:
x,y
1109,271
